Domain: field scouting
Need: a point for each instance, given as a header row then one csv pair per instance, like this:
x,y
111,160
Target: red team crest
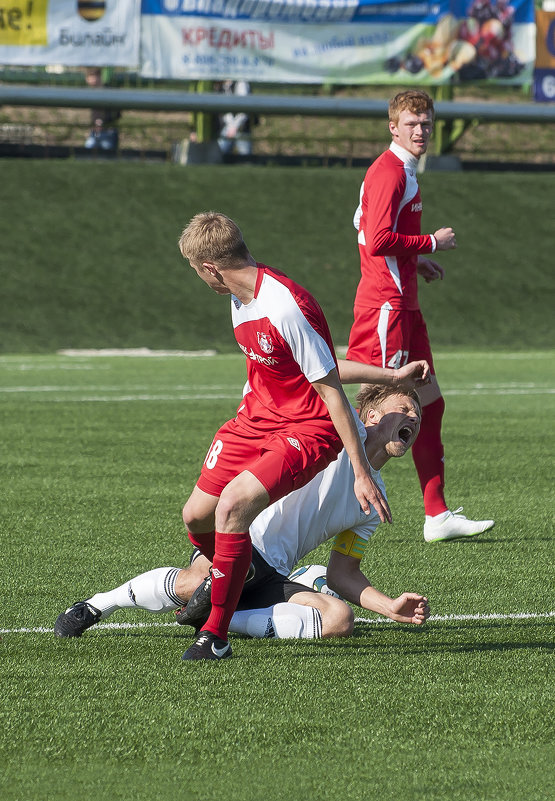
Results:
x,y
265,342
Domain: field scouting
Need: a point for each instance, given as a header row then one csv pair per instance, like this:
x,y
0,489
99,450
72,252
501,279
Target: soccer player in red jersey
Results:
x,y
388,328
293,420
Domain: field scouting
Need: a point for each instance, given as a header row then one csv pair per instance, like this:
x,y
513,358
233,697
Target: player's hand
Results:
x,y
413,375
429,270
369,494
410,608
445,239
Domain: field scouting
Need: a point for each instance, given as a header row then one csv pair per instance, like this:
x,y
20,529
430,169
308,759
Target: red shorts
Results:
x,y
389,338
282,461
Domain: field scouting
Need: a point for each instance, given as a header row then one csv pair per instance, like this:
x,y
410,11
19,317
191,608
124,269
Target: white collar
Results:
x,y
404,155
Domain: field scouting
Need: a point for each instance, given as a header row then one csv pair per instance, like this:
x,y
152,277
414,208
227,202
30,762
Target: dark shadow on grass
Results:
x,y
479,538
434,627
466,648
165,634
454,543
379,639
387,649
465,625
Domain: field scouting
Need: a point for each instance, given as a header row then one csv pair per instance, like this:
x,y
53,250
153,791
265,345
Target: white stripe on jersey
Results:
x,y
393,268
382,328
358,212
276,303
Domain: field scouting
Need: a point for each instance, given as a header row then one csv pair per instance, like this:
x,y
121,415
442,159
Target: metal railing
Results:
x,y
163,100
453,117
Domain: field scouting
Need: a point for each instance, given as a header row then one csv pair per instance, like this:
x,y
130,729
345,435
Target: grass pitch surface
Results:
x,y
98,457
89,252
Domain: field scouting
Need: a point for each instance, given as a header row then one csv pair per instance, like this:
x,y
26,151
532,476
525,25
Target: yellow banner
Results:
x,y
23,22
545,39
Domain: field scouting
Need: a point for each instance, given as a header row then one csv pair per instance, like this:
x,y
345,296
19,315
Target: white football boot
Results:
x,y
452,525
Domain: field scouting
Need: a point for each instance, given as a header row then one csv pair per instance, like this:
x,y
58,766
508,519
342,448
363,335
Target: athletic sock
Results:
x,y
229,568
153,591
281,621
206,543
427,453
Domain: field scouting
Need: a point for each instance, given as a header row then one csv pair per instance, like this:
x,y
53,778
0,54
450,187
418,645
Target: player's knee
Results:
x,y
193,517
338,619
188,516
225,510
233,510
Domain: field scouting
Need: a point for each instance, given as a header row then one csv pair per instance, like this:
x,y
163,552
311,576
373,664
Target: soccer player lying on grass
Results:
x,y
271,605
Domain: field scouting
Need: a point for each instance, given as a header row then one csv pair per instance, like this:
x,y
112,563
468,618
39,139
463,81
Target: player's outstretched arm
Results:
x,y
365,488
345,577
410,376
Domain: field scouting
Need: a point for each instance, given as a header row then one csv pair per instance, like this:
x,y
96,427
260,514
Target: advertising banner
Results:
x,y
70,32
544,74
339,41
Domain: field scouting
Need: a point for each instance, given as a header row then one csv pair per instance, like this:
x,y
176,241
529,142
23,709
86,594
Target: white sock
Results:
x,y
153,591
281,621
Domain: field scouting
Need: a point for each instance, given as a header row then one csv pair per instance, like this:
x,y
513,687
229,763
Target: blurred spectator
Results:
x,y
104,133
235,128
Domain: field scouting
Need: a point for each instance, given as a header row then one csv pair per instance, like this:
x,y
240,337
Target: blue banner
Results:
x,y
339,41
330,11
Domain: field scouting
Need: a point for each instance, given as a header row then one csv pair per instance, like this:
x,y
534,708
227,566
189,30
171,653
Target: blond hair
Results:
x,y
372,396
212,237
414,100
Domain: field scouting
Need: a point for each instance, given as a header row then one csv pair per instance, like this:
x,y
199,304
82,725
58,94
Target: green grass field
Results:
x,y
98,456
89,254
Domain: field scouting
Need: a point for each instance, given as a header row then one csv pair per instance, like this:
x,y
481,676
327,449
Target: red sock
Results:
x,y
427,453
206,543
229,569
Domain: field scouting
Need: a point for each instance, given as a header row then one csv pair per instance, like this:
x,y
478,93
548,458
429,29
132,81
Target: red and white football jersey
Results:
x,y
389,239
286,339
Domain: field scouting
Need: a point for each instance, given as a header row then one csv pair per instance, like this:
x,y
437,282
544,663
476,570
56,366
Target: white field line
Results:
x,y
64,393
136,352
521,355
379,621
500,391
236,396
109,388
63,358
495,356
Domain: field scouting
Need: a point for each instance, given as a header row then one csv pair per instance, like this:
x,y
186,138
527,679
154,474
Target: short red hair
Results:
x,y
414,100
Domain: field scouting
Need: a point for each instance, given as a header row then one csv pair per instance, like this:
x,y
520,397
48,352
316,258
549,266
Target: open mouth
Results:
x,y
405,433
